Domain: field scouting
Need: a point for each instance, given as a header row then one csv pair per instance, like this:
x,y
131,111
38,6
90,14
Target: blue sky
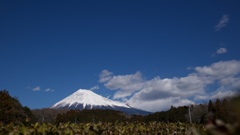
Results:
x,y
145,53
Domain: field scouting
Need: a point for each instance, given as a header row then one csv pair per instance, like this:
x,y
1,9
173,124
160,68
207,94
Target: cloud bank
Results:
x,y
207,82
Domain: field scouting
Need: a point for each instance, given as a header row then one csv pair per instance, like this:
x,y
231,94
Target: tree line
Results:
x,y
226,110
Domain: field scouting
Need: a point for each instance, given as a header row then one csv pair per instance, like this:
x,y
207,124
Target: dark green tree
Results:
x,y
218,105
210,106
219,114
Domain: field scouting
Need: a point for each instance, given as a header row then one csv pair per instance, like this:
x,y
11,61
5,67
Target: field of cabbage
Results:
x,y
118,128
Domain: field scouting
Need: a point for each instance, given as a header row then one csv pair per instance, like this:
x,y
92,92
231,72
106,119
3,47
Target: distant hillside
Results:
x,y
47,115
93,115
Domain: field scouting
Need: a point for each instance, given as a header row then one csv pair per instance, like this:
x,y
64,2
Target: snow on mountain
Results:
x,y
86,99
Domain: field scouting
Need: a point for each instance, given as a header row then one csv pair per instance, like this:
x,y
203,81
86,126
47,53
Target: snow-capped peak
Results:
x,y
87,98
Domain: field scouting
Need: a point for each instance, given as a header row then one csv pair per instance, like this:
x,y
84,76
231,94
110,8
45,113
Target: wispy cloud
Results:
x,y
220,51
222,23
49,90
94,88
37,88
159,94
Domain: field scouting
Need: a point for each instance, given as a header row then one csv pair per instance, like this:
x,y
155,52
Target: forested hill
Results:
x,y
11,110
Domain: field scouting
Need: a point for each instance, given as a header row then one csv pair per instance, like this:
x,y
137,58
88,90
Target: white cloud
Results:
x,y
37,88
222,23
104,76
233,82
159,94
220,69
201,97
94,88
158,104
220,51
49,90
126,84
222,94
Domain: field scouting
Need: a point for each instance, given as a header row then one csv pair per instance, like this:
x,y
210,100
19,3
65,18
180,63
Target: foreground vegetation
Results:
x,y
119,128
106,128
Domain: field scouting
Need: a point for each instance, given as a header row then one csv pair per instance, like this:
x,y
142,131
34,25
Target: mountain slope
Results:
x,y
86,99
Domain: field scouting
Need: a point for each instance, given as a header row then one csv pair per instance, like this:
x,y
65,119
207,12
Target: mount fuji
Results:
x,y
86,99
